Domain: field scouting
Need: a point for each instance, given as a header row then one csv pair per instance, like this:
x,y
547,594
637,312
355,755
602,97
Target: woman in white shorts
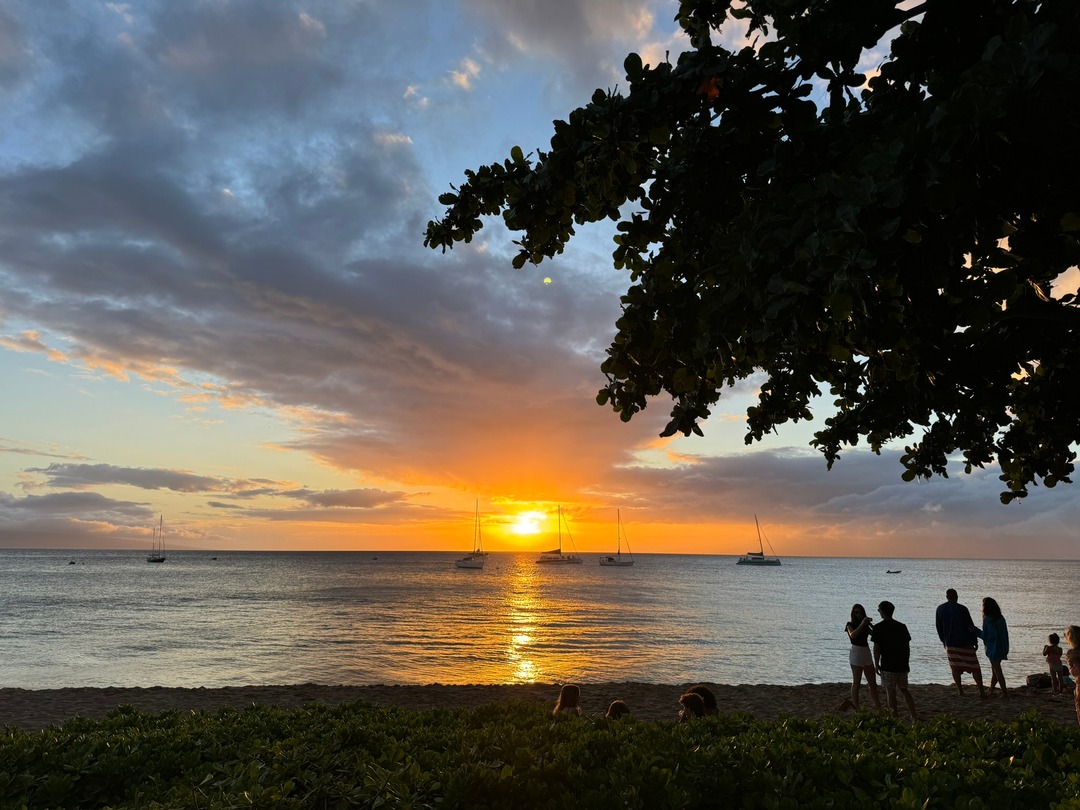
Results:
x,y
859,630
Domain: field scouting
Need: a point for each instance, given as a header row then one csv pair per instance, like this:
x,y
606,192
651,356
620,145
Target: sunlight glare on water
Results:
x,y
106,618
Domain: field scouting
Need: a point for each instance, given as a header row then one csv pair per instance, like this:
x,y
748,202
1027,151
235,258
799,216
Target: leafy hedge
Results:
x,y
518,755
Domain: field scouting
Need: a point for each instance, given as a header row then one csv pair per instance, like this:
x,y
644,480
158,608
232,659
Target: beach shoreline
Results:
x,y
34,710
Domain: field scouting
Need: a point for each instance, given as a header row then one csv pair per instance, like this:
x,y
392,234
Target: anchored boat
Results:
x,y
758,557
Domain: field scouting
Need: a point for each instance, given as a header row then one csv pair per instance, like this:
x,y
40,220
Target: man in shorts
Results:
x,y
957,633
892,650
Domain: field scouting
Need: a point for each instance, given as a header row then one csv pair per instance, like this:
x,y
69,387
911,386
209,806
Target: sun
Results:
x,y
528,523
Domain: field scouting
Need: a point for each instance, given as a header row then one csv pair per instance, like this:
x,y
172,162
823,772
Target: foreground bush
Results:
x,y
517,755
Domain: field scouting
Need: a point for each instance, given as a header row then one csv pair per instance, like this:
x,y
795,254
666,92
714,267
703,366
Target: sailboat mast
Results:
x,y
477,543
761,548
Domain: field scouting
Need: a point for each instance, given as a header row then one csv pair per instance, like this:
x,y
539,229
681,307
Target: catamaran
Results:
x,y
607,559
758,557
556,556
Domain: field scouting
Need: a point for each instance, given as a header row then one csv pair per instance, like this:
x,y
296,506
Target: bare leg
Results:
x,y
856,679
999,677
890,698
910,701
871,682
956,680
978,682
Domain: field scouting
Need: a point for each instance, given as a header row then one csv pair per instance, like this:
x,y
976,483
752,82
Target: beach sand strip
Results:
x,y
35,709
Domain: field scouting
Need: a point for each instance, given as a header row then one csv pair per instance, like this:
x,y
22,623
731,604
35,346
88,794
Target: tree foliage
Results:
x,y
890,240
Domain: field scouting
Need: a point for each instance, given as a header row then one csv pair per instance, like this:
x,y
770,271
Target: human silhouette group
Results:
x,y
883,650
697,701
889,657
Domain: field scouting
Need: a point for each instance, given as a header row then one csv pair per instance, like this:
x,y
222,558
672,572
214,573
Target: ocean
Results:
x,y
107,618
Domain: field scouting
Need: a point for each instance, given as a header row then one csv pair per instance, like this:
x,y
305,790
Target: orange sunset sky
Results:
x,y
216,305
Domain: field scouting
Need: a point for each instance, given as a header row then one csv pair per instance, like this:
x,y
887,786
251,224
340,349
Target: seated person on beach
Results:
x,y
1067,683
707,697
569,700
617,709
692,706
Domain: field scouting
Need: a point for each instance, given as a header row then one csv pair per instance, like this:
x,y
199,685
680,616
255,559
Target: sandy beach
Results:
x,y
38,709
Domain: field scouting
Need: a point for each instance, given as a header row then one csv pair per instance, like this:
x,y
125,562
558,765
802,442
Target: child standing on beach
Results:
x,y
1052,654
1072,657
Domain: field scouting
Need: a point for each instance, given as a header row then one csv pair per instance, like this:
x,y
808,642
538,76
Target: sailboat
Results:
x,y
618,558
475,560
758,557
556,556
157,551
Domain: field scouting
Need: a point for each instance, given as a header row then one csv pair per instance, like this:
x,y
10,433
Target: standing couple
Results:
x,y
961,637
890,657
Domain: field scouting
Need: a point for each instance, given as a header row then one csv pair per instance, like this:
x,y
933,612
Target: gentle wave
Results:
x,y
292,617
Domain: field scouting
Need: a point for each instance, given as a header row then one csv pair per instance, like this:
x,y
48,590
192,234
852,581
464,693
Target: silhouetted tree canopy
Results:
x,y
893,248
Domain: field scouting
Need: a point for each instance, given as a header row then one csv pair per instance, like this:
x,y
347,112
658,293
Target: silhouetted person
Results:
x,y
957,632
569,700
995,636
1072,658
692,706
859,630
1052,653
892,651
707,697
617,709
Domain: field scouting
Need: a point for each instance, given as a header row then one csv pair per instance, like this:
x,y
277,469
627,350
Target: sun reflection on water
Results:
x,y
523,602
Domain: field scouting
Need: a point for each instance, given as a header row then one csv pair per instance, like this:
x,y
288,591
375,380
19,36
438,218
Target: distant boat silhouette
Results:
x,y
890,571
758,557
157,551
556,556
475,558
618,558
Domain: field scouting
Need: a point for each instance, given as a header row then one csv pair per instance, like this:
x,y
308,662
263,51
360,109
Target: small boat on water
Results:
x,y
758,557
556,556
607,559
475,559
157,550
890,571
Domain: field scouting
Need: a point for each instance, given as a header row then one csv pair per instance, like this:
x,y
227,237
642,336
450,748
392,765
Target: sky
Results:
x,y
216,307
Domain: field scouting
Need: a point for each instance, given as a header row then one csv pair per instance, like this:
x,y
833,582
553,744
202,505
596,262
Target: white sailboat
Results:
x,y
157,551
607,559
556,556
474,560
758,557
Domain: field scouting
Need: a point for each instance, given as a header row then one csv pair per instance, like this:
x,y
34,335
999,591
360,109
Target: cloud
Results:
x,y
351,499
467,72
223,204
14,57
578,35
78,476
30,341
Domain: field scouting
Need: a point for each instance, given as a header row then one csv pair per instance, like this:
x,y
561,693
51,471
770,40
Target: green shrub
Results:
x,y
518,755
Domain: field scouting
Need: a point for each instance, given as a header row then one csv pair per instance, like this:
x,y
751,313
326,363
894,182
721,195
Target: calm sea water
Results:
x,y
110,619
